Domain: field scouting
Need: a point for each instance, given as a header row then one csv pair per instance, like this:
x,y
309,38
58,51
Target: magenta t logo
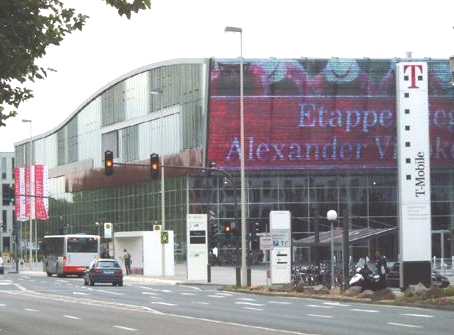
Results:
x,y
413,68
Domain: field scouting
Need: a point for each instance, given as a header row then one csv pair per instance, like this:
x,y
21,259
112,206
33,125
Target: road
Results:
x,y
64,306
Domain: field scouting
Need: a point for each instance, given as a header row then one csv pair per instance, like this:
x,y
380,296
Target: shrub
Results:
x,y
448,291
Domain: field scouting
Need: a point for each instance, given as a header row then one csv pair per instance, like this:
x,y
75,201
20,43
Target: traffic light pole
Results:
x,y
163,219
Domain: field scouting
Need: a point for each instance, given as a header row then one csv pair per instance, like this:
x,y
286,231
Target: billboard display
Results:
x,y
319,114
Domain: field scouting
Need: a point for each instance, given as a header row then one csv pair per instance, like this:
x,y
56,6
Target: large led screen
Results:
x,y
319,114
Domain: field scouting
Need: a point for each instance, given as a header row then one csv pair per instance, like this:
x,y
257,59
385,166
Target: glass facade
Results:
x,y
320,135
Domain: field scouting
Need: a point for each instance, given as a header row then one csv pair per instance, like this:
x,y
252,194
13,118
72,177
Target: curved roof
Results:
x,y
112,83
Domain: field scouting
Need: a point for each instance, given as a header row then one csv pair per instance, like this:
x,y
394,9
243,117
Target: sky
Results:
x,y
110,46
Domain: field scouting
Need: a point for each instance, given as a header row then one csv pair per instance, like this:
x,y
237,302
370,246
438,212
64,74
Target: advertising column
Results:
x,y
197,254
413,155
281,233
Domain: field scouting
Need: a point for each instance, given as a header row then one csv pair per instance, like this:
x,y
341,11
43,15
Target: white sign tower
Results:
x,y
413,159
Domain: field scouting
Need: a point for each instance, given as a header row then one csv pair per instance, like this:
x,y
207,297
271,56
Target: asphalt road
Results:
x,y
41,305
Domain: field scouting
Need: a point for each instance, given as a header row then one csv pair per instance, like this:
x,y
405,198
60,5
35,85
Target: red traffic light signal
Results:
x,y
155,166
108,163
227,228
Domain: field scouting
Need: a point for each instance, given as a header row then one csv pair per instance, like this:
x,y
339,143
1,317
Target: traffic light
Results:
x,y
155,166
227,228
108,163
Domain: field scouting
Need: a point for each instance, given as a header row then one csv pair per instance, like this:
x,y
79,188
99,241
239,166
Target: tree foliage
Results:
x,y
27,29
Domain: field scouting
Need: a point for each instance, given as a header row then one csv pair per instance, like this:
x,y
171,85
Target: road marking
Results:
x,y
148,309
253,308
403,325
336,304
163,303
2,305
225,294
125,328
320,316
149,293
109,292
319,306
31,310
5,282
246,299
71,317
193,287
201,302
248,303
20,287
166,291
187,293
364,310
419,315
279,302
216,296
80,293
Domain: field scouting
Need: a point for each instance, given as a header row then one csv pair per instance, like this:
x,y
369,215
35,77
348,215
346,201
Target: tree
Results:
x,y
27,29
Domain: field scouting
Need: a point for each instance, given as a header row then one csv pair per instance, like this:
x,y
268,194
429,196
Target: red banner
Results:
x,y
32,193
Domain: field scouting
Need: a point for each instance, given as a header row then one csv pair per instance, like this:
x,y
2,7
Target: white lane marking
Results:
x,y
71,317
149,293
253,308
201,302
364,310
109,292
403,325
125,328
246,299
248,303
5,282
20,287
148,309
80,293
163,303
216,296
225,294
2,305
187,293
193,287
279,302
336,304
419,315
319,306
31,310
166,291
320,316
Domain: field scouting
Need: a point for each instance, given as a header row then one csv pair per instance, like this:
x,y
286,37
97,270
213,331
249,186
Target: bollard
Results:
x,y
208,273
248,277
238,277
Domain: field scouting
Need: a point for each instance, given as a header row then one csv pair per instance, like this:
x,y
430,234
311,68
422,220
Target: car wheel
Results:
x,y
49,274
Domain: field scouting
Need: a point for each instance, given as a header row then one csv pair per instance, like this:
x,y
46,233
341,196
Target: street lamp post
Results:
x,y
30,189
242,158
331,215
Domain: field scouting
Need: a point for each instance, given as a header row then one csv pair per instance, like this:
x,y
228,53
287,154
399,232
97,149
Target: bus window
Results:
x,y
82,244
54,246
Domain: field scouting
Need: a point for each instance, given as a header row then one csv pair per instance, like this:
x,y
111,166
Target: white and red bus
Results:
x,y
68,254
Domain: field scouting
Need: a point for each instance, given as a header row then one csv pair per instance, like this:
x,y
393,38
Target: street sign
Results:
x,y
266,241
107,230
281,263
164,237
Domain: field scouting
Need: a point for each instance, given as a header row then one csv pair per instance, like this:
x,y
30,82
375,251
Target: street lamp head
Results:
x,y
233,30
331,215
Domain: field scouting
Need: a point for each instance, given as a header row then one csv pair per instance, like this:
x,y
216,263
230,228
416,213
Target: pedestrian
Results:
x,y
127,261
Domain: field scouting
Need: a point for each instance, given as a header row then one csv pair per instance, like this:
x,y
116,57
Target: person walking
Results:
x,y
127,260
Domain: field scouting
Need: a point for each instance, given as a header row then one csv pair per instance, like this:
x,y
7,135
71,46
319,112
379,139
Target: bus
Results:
x,y
68,254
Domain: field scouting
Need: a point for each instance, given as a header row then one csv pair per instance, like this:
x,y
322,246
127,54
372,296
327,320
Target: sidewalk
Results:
x,y
220,275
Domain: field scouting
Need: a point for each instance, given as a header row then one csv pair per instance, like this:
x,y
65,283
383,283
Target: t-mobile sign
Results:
x,y
414,172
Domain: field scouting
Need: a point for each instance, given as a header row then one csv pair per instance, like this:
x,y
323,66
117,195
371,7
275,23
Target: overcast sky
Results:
x,y
110,46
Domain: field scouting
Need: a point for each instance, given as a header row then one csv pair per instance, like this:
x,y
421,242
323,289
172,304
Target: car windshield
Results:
x,y
108,264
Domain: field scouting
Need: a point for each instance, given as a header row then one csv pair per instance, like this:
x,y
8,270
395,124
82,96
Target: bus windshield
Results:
x,y
82,244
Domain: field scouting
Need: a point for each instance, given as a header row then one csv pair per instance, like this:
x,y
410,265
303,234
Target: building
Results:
x,y
320,134
6,200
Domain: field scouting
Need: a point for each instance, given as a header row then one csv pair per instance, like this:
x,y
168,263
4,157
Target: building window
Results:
x,y
3,168
110,142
